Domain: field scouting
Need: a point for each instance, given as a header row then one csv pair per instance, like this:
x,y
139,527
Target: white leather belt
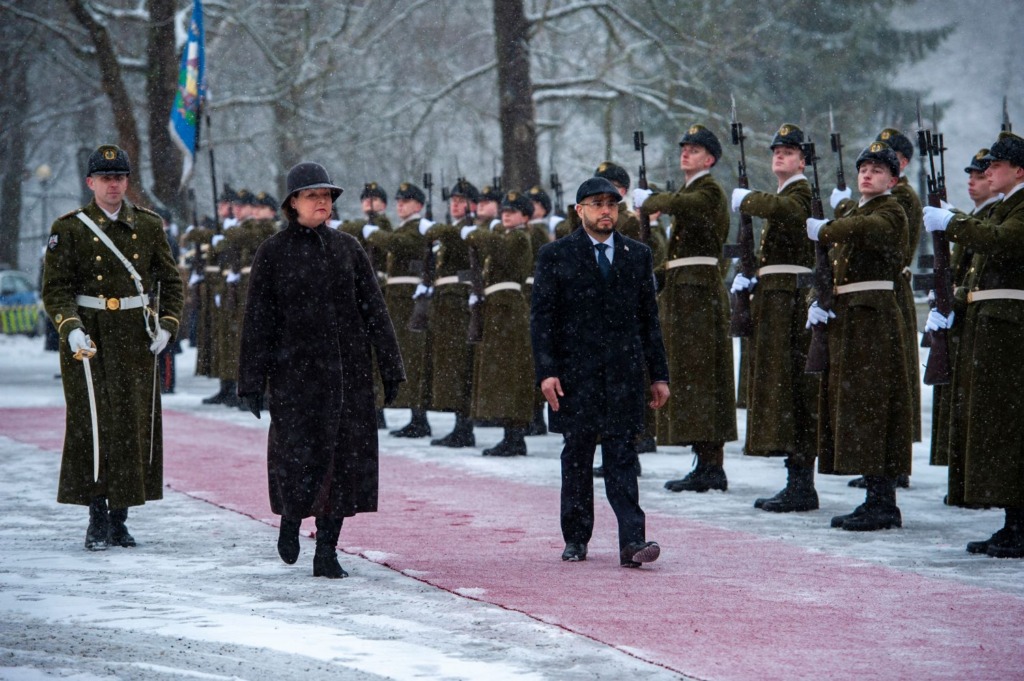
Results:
x,y
995,294
783,269
503,286
403,280
130,303
444,281
865,286
211,268
529,281
689,262
246,270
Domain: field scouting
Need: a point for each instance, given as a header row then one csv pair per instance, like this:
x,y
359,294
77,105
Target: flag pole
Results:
x,y
213,163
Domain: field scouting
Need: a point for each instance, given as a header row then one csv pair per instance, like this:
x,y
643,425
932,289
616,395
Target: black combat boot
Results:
x,y
232,399
1012,543
119,535
537,425
325,560
97,536
219,397
1000,536
288,539
417,427
513,444
702,478
880,511
462,436
798,495
382,423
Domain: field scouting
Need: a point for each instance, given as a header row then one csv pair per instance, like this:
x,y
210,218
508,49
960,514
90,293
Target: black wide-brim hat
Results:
x,y
309,176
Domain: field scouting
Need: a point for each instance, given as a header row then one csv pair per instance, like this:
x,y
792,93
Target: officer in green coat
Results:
x,y
865,401
694,307
782,397
986,455
113,290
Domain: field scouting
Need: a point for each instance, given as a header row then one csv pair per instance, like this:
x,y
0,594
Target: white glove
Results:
x,y
931,297
466,231
422,290
77,341
368,230
946,204
216,239
839,195
814,226
936,320
816,315
216,299
233,277
741,283
738,195
639,196
158,345
936,219
195,278
473,299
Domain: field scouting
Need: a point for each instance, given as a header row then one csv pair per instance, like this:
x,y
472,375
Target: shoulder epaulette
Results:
x,y
69,214
148,212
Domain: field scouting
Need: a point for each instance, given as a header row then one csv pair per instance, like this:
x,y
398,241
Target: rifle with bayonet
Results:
x,y
741,324
475,332
937,369
1006,126
371,217
645,217
837,148
817,353
428,187
446,197
556,187
420,316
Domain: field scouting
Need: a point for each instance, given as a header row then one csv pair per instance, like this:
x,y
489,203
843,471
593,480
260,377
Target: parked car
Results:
x,y
20,304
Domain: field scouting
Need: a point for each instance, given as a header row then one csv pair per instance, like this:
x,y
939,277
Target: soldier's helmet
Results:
x,y
517,201
372,190
1009,147
465,189
880,152
701,136
979,163
613,173
788,135
407,190
538,194
309,175
109,159
897,141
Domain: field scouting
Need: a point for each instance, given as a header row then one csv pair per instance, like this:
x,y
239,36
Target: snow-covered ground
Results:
x,y
205,595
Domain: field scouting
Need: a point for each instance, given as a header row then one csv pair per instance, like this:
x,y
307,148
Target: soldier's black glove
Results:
x,y
390,392
253,402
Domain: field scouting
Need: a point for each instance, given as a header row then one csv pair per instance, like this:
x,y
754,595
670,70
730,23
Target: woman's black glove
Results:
x,y
390,391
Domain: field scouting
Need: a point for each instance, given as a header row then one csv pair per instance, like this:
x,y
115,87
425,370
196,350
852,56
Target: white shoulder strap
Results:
x,y
110,244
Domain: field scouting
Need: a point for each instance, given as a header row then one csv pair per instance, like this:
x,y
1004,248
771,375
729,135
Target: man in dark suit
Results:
x,y
596,343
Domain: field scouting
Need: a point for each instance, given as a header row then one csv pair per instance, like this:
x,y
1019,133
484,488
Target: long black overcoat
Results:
x,y
602,339
314,311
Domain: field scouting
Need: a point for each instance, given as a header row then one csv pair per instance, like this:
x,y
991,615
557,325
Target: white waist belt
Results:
x,y
211,268
404,280
995,294
444,281
783,269
130,303
529,281
865,286
246,270
689,262
503,286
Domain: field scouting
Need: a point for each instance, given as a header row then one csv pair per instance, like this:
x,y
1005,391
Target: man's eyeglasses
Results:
x,y
601,204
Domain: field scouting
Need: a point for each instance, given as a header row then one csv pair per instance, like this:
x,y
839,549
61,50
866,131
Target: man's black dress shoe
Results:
x,y
638,553
574,553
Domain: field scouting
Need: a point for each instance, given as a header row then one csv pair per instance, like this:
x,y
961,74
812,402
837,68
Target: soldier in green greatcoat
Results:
x,y
782,414
451,355
400,249
694,307
865,403
979,188
111,285
986,455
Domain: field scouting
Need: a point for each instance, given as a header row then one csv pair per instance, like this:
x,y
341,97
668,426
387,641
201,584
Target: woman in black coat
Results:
x,y
313,314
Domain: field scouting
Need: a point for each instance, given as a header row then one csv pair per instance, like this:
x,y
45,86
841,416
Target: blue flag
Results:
x,y
184,123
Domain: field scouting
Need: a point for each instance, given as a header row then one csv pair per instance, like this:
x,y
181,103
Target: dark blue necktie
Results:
x,y
602,260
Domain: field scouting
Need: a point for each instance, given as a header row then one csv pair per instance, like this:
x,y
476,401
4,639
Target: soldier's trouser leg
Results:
x,y
710,453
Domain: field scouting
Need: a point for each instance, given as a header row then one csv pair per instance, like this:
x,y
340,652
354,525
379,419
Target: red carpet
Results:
x,y
718,605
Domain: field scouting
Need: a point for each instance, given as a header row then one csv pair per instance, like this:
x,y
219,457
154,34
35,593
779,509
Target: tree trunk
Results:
x,y
14,85
515,96
161,86
114,87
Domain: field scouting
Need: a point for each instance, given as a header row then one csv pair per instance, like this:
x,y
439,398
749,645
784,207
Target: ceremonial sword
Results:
x,y
84,355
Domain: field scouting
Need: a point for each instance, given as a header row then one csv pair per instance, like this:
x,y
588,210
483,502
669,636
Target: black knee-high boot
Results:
x,y
325,561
